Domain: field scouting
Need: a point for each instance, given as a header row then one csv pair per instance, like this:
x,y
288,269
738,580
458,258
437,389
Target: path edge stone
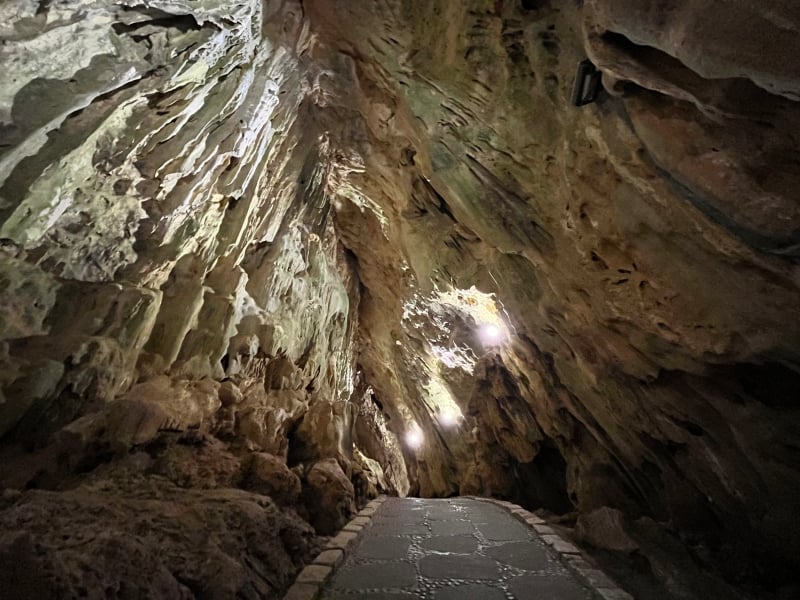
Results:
x,y
602,586
309,581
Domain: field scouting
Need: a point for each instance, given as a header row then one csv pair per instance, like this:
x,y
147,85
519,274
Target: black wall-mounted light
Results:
x,y
587,83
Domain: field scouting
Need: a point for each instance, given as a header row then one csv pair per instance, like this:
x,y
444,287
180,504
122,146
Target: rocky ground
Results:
x,y
134,502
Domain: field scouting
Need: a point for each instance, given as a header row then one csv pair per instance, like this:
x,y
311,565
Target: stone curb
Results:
x,y
602,585
311,579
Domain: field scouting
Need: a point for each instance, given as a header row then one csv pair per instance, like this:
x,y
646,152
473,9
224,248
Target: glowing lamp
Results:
x,y
448,418
414,438
491,334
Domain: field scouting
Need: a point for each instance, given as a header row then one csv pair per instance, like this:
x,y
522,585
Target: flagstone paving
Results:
x,y
451,549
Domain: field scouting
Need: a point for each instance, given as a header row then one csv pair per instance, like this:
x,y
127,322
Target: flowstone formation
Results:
x,y
263,260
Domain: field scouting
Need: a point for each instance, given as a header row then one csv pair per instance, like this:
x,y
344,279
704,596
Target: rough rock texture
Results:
x,y
269,475
172,219
165,226
328,496
605,528
641,250
286,227
97,541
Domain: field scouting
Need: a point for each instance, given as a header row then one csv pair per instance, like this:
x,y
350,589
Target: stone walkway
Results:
x,y
460,549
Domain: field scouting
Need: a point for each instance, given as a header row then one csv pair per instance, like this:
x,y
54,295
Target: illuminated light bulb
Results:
x,y
449,418
491,334
414,438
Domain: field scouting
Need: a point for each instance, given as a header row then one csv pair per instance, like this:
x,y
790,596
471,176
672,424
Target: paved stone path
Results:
x,y
460,549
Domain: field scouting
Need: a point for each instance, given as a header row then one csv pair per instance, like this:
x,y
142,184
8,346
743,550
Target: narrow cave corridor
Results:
x,y
276,272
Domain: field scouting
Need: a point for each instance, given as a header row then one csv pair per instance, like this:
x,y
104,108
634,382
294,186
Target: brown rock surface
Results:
x,y
283,228
328,496
97,541
605,528
269,475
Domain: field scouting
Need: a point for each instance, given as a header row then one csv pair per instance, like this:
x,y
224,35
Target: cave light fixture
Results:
x,y
441,403
491,329
414,438
449,418
491,334
587,83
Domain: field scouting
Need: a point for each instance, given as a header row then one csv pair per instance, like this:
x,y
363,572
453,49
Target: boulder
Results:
x,y
328,496
229,393
326,430
196,461
267,474
604,528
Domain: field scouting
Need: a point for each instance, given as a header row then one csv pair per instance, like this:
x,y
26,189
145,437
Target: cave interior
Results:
x,y
261,262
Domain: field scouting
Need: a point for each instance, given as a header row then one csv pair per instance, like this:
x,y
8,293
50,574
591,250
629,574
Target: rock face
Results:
x,y
243,242
211,543
169,270
604,528
270,476
328,496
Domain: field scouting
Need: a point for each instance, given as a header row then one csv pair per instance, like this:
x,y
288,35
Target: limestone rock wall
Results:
x,y
175,306
163,202
240,240
641,252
